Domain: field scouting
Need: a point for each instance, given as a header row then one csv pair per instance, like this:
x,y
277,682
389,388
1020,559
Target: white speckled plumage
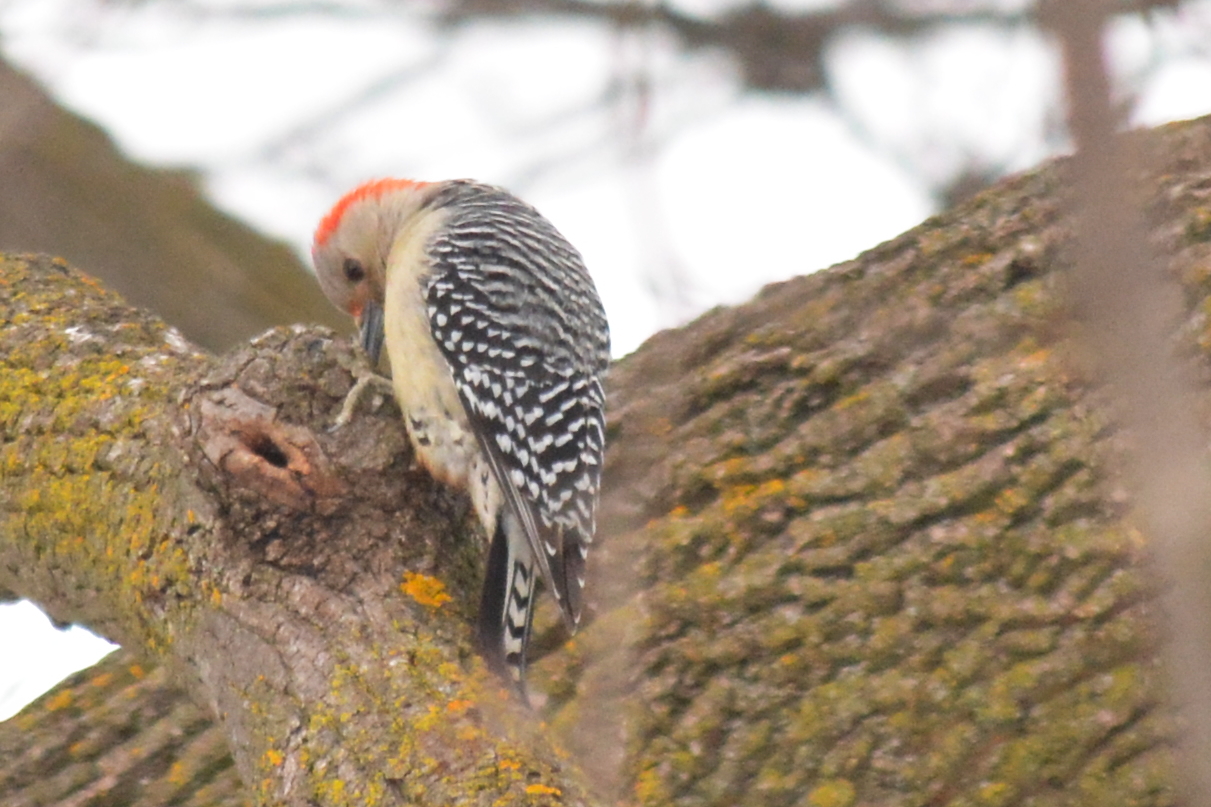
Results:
x,y
498,345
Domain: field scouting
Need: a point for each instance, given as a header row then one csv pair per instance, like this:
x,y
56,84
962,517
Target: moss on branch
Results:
x,y
312,589
863,542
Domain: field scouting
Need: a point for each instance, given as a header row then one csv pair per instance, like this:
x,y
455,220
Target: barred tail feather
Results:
x,y
567,572
506,606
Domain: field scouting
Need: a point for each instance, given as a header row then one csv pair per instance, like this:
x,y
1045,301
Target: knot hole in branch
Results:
x,y
281,462
264,447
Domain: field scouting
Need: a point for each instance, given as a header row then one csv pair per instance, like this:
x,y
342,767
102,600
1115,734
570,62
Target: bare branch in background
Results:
x,y
769,50
784,52
776,51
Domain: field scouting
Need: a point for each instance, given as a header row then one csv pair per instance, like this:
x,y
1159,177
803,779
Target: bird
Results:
x,y
498,346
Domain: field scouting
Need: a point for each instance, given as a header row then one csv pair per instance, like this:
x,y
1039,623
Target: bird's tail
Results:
x,y
506,606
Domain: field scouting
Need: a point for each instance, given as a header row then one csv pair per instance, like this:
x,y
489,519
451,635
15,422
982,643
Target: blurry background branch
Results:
x,y
1129,310
622,119
778,48
150,234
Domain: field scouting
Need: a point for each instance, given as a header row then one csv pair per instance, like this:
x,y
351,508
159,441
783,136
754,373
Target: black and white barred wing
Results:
x,y
516,316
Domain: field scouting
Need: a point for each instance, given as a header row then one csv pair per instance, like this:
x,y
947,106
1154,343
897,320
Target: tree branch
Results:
x,y
864,540
312,587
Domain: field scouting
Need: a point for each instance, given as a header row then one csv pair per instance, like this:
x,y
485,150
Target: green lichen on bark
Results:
x,y
883,555
83,425
143,742
918,588
338,639
863,542
409,722
295,577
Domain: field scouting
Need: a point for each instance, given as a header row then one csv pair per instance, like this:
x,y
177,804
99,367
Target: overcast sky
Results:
x,y
696,195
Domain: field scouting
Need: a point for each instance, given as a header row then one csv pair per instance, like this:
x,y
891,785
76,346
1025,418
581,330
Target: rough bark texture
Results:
x,y
311,588
867,538
862,543
118,734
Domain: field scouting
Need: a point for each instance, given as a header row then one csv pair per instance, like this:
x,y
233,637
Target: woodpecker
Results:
x,y
498,345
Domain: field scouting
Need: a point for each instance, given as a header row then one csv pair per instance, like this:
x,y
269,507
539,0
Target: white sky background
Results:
x,y
701,199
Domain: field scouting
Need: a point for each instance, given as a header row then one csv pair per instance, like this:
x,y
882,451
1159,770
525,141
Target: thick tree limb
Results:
x,y
863,542
312,585
119,733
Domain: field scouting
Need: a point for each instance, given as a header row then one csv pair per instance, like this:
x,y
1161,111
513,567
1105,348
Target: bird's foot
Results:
x,y
365,378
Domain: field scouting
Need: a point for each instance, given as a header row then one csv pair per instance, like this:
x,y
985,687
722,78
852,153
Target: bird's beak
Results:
x,y
370,325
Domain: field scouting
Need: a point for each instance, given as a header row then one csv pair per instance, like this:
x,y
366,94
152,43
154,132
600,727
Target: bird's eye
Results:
x,y
354,271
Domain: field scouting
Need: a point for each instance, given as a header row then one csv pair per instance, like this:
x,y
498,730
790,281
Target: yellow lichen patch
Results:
x,y
431,720
648,786
661,426
987,516
469,734
543,790
1010,500
60,701
992,792
738,497
331,789
734,468
177,774
1035,360
773,487
834,793
84,509
852,400
102,680
137,671
426,590
272,758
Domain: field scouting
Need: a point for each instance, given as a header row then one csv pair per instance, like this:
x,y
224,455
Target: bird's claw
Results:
x,y
364,379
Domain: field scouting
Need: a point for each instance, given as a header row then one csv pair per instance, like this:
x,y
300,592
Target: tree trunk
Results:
x,y
863,541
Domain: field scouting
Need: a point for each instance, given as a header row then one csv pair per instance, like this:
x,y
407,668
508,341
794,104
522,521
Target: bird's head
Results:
x,y
351,247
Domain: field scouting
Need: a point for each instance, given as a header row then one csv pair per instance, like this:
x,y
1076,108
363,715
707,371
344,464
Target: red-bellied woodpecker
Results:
x,y
497,343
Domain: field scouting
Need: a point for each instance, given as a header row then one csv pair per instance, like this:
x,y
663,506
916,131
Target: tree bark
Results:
x,y
312,588
863,541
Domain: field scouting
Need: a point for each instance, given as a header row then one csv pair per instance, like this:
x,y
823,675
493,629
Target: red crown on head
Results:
x,y
372,189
